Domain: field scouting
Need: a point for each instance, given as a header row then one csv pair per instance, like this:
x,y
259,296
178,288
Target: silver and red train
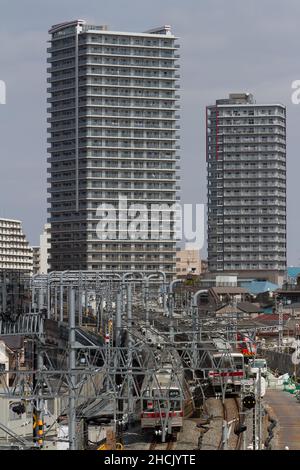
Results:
x,y
228,372
165,401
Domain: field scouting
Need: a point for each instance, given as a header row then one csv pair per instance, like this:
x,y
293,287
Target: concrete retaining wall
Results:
x,y
281,361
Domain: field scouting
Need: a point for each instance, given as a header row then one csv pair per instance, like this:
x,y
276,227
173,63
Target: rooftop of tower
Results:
x,y
238,98
242,99
160,31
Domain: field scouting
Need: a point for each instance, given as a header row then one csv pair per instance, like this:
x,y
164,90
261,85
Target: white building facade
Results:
x,y
45,243
15,252
246,174
41,252
113,134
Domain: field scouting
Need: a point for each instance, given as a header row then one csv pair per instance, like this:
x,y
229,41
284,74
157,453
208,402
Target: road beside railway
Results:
x,y
286,410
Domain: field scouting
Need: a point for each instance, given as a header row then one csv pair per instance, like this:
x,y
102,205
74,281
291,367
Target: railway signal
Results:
x,y
249,401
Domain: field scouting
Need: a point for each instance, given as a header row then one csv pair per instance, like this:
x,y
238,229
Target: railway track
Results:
x,y
156,443
239,438
231,411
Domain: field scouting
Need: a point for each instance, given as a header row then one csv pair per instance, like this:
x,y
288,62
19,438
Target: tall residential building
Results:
x,y
113,133
15,252
36,259
45,239
41,252
246,165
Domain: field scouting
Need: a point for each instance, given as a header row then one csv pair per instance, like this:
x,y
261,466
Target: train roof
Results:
x,y
229,353
165,379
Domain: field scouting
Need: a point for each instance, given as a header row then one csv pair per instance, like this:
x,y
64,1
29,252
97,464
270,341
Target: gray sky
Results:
x,y
226,45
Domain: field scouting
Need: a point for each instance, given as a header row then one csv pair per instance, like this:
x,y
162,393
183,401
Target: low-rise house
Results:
x,y
242,309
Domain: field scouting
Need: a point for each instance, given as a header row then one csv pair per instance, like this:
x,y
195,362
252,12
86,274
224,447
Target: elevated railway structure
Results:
x,y
103,336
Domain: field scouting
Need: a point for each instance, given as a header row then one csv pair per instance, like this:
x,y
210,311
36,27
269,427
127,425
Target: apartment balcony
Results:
x,y
133,95
131,64
258,194
64,56
256,167
167,160
128,53
244,123
120,114
251,149
130,75
103,84
128,44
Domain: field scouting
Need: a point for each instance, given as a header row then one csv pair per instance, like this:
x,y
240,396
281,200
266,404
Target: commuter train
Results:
x,y
228,372
165,400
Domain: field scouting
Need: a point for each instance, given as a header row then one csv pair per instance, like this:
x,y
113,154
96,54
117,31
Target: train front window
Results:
x,y
163,404
147,405
230,363
175,405
238,364
224,363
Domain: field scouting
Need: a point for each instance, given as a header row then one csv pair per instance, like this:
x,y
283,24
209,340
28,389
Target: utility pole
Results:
x,y
147,301
118,344
254,428
38,404
72,366
259,410
280,325
171,298
244,443
129,345
243,415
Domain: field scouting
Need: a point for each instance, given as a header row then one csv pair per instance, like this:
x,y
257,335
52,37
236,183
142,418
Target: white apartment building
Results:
x,y
45,239
113,133
41,252
15,252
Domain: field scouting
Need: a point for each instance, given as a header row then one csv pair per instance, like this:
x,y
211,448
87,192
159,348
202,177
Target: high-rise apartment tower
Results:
x,y
246,174
113,134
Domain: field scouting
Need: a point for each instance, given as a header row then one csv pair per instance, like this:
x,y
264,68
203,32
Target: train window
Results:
x,y
175,405
174,393
239,364
147,405
163,404
224,363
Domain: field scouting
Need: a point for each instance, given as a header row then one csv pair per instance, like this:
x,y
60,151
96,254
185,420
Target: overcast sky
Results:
x,y
226,46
